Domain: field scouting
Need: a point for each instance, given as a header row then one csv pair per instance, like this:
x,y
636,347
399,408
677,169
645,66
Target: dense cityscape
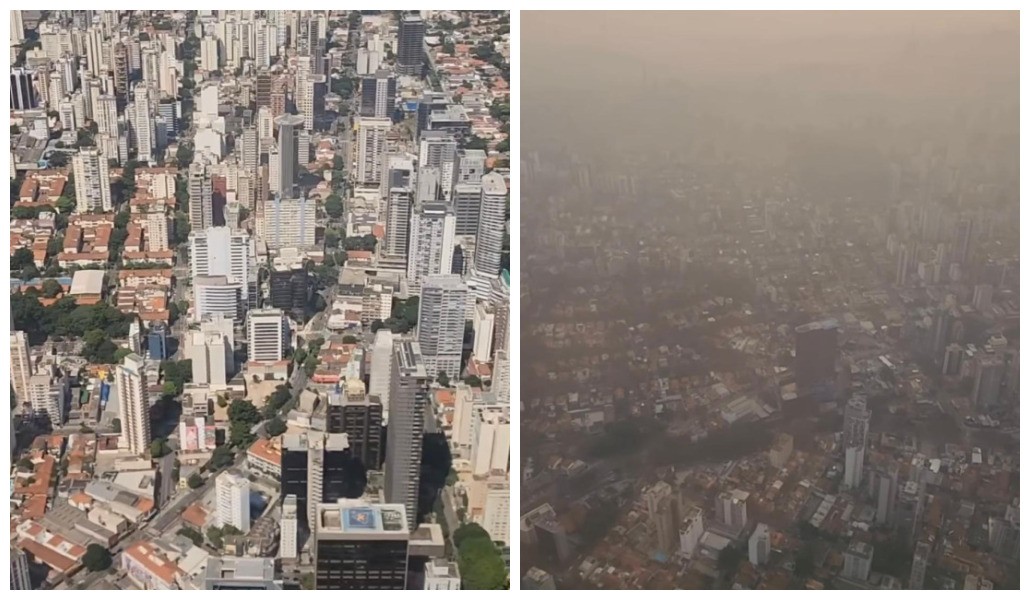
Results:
x,y
260,299
769,301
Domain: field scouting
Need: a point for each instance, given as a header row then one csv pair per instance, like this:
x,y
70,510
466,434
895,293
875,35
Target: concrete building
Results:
x,y
361,545
21,363
759,545
781,450
378,95
691,530
490,232
663,512
232,490
20,579
408,397
442,574
497,512
441,324
133,405
287,223
856,429
731,509
858,560
288,529
240,573
430,244
483,332
379,380
266,335
92,181
371,133
411,37
220,251
919,562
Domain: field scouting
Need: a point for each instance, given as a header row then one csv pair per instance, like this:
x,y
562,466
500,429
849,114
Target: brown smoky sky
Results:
x,y
755,79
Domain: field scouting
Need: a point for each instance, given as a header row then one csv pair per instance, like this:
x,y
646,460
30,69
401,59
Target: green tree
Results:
x,y
193,535
116,425
481,564
21,258
310,364
275,427
214,535
334,206
443,379
97,558
195,481
473,381
51,289
475,143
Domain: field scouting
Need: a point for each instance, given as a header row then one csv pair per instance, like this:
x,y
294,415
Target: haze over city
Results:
x,y
770,310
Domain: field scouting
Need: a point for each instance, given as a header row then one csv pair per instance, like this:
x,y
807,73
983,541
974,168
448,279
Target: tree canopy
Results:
x,y
97,558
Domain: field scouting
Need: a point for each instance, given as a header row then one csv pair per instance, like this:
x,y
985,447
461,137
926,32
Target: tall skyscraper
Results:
x,y
815,354
379,381
371,133
441,324
289,126
143,123
21,364
133,405
408,396
47,397
759,545
398,221
378,95
23,89
467,198
856,429
201,197
157,231
430,245
663,512
362,420
250,150
92,181
731,509
858,560
232,491
266,335
411,45
490,233
990,369
361,546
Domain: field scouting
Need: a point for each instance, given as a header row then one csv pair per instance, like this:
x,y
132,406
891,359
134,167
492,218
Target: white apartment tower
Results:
x,y
266,335
288,528
441,323
430,245
490,233
131,380
233,500
371,148
92,181
21,363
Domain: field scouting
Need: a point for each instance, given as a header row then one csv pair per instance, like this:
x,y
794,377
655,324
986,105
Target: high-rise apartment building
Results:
x,y
663,512
378,95
232,492
490,233
289,126
411,37
856,429
92,181
408,396
288,529
441,324
266,335
287,223
379,380
133,405
21,363
361,418
430,244
371,133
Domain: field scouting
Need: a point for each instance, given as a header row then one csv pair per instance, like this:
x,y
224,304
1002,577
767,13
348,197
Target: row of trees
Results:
x,y
65,318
